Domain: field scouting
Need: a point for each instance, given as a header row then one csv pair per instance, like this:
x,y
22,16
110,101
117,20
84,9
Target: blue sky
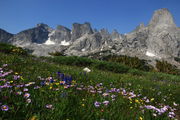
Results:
x,y
123,15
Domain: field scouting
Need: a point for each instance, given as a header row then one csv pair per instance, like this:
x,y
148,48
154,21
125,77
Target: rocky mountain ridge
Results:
x,y
160,39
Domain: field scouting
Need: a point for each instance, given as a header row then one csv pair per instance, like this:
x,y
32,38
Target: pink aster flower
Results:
x,y
26,95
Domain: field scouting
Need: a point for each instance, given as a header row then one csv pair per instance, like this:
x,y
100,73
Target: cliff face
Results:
x,y
5,36
160,39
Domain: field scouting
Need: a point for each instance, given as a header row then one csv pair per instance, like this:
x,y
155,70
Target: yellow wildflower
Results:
x,y
152,99
140,118
22,78
33,118
57,83
137,101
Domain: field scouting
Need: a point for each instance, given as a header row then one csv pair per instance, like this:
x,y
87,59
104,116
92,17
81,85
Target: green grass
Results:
x,y
69,103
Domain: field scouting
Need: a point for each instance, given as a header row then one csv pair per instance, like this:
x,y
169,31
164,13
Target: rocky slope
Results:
x,y
160,39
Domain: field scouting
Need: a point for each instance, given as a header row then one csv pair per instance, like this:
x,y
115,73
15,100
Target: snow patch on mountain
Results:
x,y
64,43
49,42
150,54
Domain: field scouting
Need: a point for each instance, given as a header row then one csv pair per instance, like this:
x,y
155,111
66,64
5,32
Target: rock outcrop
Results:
x,y
79,30
5,36
160,39
38,35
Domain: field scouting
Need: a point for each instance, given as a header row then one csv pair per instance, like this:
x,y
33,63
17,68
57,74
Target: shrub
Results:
x,y
56,53
177,59
10,49
136,72
164,66
133,62
114,67
73,60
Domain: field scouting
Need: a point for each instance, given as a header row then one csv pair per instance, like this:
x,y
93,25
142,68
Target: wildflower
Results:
x,y
34,118
5,65
78,88
36,87
152,99
83,105
26,95
105,94
99,91
113,96
140,118
50,87
147,101
19,93
137,101
73,81
86,70
49,106
62,82
154,114
42,83
28,100
66,86
57,83
22,78
171,114
92,91
106,102
97,104
51,80
175,104
4,108
25,89
15,77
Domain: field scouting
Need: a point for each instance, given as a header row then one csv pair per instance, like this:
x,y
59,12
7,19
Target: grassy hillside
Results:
x,y
58,88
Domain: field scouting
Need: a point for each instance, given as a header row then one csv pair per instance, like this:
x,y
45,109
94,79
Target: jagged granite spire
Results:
x,y
162,18
78,30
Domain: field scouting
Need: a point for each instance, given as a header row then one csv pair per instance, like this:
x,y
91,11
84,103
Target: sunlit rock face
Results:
x,y
78,30
164,36
160,39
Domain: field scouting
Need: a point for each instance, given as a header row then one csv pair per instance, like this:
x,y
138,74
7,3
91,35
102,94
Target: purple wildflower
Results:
x,y
26,95
4,108
106,102
18,93
97,104
25,89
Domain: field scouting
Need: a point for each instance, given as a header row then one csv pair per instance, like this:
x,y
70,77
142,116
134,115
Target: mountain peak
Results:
x,y
162,17
80,29
42,25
